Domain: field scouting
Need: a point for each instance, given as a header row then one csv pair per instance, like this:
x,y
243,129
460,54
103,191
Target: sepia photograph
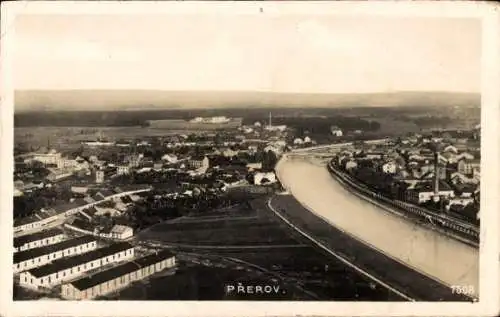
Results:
x,y
247,152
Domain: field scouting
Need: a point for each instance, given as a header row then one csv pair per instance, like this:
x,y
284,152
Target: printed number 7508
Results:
x,y
462,289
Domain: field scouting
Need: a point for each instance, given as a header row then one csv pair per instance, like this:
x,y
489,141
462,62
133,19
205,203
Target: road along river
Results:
x,y
424,250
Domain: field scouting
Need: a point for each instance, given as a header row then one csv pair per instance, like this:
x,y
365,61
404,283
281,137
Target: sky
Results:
x,y
296,54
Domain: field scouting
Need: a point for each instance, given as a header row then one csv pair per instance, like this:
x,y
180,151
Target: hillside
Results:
x,y
109,100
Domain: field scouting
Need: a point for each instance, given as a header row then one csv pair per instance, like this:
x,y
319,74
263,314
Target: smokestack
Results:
x,y
436,173
270,120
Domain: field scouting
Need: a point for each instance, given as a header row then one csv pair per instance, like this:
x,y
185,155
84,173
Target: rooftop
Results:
x,y
120,270
25,220
37,252
66,263
20,241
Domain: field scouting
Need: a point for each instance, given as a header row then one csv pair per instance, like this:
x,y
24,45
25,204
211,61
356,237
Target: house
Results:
x,y
79,189
420,192
229,153
448,157
298,141
169,158
134,160
121,232
351,164
272,148
38,239
460,201
450,149
467,167
459,178
389,167
374,155
68,268
264,178
123,169
52,157
254,166
336,131
117,277
57,174
465,155
17,193
199,163
25,260
35,222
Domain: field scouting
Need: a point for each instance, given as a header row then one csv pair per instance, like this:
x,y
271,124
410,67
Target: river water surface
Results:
x,y
440,257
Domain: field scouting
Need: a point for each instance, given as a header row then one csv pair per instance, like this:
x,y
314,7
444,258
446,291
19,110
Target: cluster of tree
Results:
x,y
377,181
77,118
43,198
322,125
154,210
427,121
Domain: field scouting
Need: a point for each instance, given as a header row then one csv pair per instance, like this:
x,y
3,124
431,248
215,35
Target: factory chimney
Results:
x,y
270,120
436,176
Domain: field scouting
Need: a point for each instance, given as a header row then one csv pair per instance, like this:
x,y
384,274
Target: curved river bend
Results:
x,y
427,251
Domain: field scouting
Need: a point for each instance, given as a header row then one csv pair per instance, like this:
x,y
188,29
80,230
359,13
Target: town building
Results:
x,y
469,167
298,141
79,189
199,163
264,178
36,222
62,270
350,164
459,201
121,232
169,158
254,166
123,170
52,157
99,177
336,131
57,174
118,277
389,167
25,260
45,218
38,239
420,192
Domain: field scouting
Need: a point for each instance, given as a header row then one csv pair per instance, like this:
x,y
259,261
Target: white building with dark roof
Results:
x,y
39,239
25,260
121,232
65,269
118,277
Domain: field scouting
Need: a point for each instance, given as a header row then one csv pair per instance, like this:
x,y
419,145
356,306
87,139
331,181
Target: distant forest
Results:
x,y
314,121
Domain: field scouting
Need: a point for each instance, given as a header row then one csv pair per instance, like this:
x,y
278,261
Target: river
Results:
x,y
427,251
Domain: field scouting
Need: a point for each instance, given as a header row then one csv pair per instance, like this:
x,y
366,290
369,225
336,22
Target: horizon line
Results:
x,y
250,91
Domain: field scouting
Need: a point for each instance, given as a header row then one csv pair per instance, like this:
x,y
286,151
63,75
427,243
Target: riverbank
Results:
x,y
463,232
435,255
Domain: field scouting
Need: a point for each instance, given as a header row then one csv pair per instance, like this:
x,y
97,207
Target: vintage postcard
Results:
x,y
250,159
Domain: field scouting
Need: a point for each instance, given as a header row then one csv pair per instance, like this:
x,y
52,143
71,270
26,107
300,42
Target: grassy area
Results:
x,y
223,228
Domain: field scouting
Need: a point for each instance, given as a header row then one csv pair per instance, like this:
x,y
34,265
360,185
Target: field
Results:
x,y
244,230
253,238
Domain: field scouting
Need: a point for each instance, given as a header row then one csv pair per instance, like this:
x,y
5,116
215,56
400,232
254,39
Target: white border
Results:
x,y
488,304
